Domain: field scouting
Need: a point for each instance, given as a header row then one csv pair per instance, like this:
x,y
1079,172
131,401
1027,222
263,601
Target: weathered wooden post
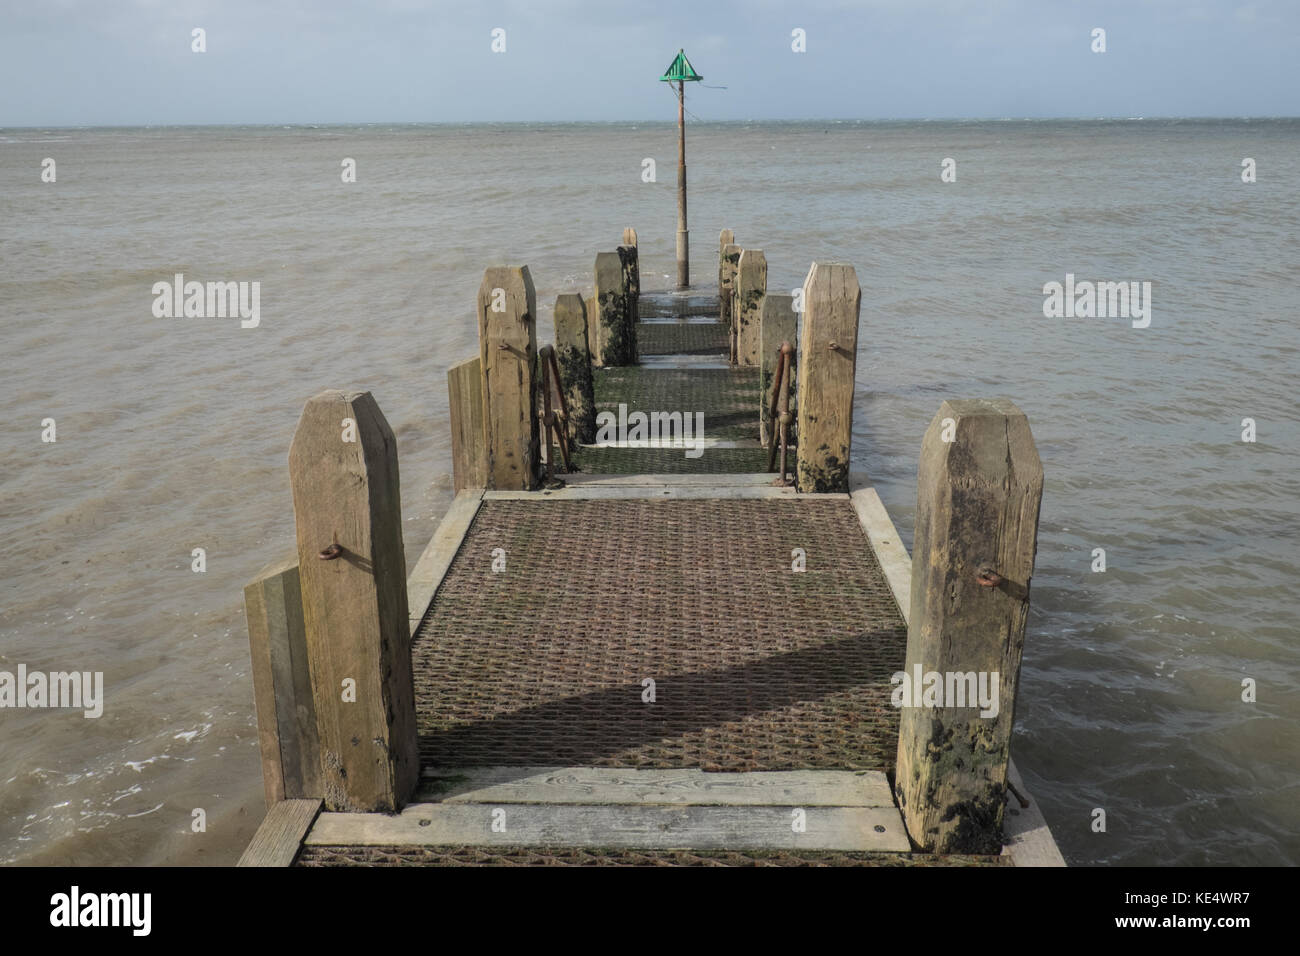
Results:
x,y
629,259
507,339
750,287
629,236
979,487
726,238
574,358
615,339
347,505
286,713
727,285
465,403
828,350
777,323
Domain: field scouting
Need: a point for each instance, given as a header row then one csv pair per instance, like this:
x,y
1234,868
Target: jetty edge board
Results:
x,y
1026,838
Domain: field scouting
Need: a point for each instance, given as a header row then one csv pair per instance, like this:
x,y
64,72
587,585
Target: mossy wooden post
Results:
x,y
465,402
978,491
777,323
827,354
615,339
750,287
727,282
725,238
574,359
286,713
507,338
347,505
627,255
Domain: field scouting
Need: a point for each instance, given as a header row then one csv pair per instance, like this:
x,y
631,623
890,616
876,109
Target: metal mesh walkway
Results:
x,y
755,666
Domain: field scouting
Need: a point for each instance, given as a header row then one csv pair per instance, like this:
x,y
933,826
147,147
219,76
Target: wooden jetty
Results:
x,y
630,643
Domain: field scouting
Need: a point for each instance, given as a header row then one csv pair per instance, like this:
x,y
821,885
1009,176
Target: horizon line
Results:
x,y
656,121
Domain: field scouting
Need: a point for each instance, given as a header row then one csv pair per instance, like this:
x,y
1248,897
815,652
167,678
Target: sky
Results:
x,y
131,62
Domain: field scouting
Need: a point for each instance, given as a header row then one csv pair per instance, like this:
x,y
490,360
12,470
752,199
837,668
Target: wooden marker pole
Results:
x,y
979,487
347,506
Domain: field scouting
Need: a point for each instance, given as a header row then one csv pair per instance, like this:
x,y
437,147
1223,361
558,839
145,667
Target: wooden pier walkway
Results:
x,y
668,659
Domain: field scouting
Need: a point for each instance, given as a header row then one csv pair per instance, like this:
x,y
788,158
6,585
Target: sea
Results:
x,y
1158,720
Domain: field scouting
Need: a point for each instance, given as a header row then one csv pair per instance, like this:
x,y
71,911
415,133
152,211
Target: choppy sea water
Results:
x,y
173,434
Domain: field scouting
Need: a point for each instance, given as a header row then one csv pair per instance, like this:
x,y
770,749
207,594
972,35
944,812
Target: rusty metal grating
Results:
x,y
569,856
756,667
682,338
728,397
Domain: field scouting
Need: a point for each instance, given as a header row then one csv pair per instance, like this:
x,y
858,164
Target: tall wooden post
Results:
x,y
465,404
828,349
750,287
286,712
726,296
574,358
507,338
683,236
777,323
726,238
979,487
347,505
615,332
630,260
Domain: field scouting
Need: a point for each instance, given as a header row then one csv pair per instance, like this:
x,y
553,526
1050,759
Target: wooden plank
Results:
x,y
573,356
742,480
266,629
277,840
432,567
468,438
633,492
747,303
684,361
702,828
885,542
679,442
605,786
1026,837
979,486
777,323
507,335
347,500
828,348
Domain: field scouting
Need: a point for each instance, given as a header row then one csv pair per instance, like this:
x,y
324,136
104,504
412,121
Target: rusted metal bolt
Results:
x,y
330,553
787,348
988,578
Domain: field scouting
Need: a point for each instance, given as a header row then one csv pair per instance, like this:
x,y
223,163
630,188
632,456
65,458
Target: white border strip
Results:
x,y
423,581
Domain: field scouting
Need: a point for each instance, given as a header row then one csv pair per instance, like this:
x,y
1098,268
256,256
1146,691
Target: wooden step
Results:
x,y
650,809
